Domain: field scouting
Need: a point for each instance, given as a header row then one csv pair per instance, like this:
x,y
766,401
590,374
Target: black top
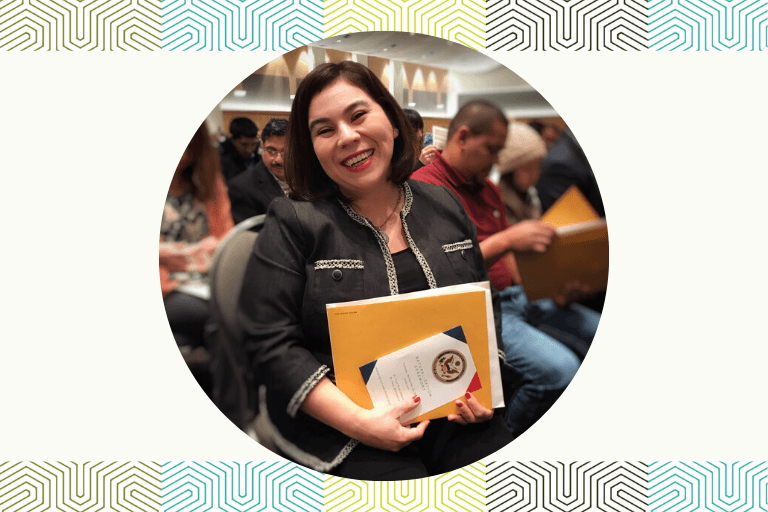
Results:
x,y
410,276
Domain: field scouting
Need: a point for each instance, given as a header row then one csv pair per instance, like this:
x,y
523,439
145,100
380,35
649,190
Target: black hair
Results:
x,y
478,116
243,127
414,118
277,126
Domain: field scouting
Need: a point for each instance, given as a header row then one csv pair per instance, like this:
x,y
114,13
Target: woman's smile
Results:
x,y
359,161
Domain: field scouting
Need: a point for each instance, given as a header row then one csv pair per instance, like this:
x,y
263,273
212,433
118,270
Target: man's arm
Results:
x,y
528,235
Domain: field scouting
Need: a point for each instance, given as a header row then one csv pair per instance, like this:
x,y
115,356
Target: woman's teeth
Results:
x,y
359,158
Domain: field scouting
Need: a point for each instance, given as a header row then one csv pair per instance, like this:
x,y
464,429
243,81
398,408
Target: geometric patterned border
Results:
x,y
284,486
80,25
708,25
80,487
712,486
281,25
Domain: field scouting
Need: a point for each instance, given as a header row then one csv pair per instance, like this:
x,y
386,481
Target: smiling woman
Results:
x,y
355,227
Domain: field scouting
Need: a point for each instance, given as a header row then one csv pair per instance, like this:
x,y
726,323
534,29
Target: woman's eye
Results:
x,y
358,115
323,131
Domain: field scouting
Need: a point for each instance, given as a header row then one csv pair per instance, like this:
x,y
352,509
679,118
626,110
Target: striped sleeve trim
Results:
x,y
301,394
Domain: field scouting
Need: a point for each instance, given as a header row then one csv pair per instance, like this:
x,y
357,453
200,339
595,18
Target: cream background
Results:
x,y
89,368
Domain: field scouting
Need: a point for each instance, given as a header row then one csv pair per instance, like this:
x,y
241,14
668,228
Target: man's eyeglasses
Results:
x,y
273,152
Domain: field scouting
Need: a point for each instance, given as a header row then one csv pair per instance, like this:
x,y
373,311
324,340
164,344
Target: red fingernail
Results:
x,y
459,405
468,395
416,399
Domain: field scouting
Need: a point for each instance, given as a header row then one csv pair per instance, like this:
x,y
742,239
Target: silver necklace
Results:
x,y
394,209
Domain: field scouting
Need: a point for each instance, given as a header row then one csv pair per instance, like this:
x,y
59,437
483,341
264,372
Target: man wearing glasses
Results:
x,y
251,192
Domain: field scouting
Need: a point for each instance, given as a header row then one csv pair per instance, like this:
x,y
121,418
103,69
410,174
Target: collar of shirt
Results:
x,y
454,177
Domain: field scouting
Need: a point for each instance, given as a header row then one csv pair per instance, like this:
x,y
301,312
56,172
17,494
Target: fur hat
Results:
x,y
523,145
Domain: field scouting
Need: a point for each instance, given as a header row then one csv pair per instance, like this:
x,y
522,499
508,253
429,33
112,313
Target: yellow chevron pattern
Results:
x,y
463,489
462,21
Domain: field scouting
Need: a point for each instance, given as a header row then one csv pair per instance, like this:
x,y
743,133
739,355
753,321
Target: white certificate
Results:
x,y
439,369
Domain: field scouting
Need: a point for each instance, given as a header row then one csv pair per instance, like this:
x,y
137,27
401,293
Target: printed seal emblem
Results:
x,y
449,366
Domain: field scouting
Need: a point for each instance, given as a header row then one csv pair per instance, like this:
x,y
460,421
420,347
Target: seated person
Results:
x,y
240,150
476,136
426,153
353,228
548,132
519,168
195,219
564,165
252,191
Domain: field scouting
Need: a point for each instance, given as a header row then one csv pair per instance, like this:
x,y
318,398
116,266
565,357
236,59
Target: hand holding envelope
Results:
x,y
371,330
438,369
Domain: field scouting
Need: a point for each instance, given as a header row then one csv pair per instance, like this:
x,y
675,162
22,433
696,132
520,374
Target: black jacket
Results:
x,y
289,281
232,163
566,165
251,192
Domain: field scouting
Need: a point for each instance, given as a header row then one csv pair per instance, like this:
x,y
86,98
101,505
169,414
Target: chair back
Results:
x,y
234,390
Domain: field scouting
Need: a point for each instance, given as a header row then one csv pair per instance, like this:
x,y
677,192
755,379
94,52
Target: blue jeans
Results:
x,y
535,337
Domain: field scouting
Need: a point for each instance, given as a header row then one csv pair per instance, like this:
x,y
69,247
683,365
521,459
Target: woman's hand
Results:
x,y
471,412
380,427
428,154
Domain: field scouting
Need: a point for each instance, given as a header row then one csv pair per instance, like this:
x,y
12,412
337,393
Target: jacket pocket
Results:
x,y
338,280
460,256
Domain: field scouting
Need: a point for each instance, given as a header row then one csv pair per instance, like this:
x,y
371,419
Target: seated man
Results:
x,y
475,137
251,192
566,165
240,151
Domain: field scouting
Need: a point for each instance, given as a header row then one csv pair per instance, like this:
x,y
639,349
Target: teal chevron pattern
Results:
x,y
708,25
80,487
240,487
710,486
267,25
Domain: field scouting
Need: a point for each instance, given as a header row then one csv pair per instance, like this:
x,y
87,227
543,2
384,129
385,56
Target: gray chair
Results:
x,y
234,391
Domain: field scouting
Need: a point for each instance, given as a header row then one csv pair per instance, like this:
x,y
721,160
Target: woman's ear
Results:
x,y
396,132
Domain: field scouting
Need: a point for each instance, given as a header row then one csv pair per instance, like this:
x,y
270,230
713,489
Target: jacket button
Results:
x,y
336,274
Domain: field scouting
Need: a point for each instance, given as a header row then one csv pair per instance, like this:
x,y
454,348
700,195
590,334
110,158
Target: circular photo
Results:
x,y
384,256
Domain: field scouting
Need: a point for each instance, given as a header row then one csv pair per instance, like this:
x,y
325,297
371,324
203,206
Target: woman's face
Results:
x,y
526,175
352,137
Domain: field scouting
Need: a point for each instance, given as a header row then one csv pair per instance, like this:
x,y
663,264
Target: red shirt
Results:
x,y
486,209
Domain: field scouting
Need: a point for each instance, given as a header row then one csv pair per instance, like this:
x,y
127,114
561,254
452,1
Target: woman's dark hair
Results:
x,y
204,166
303,171
414,118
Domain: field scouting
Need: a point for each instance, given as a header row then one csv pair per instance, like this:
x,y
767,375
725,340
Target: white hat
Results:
x,y
523,145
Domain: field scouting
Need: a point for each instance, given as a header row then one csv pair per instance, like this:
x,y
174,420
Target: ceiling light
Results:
x,y
385,49
239,93
440,105
411,104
